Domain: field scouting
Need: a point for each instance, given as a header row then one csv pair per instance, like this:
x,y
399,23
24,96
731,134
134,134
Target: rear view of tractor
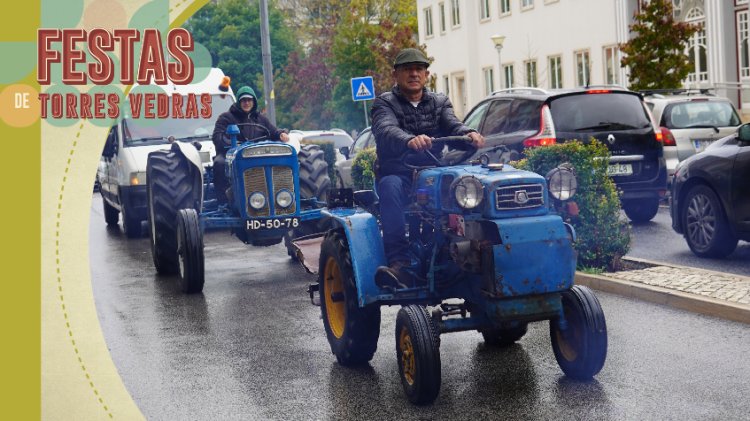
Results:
x,y
268,201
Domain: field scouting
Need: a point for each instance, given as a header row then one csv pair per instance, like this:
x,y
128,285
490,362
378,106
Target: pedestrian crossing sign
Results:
x,y
363,88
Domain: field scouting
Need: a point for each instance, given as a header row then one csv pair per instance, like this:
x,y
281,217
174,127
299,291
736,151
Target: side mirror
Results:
x,y
344,151
743,133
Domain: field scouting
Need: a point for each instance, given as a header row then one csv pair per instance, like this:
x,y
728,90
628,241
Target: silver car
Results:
x,y
690,120
344,167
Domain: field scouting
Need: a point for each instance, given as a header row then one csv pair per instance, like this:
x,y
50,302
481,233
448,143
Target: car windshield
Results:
x,y
699,113
598,112
154,131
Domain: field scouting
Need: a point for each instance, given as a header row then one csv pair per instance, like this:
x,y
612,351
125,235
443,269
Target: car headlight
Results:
x,y
468,192
284,198
257,201
562,182
137,178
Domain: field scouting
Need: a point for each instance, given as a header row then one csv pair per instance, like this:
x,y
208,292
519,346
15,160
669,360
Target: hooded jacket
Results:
x,y
253,125
395,121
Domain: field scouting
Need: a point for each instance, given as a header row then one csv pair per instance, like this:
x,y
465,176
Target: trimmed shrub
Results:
x,y
363,172
603,237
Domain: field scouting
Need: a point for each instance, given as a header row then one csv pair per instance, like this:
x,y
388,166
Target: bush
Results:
x,y
603,237
363,172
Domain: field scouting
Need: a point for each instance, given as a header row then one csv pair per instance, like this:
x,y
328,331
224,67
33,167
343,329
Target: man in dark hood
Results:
x,y
253,126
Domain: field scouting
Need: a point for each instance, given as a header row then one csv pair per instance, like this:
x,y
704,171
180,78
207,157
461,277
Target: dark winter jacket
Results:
x,y
247,123
395,121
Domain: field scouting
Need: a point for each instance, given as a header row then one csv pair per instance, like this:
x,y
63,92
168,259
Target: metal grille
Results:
x,y
523,196
283,179
255,181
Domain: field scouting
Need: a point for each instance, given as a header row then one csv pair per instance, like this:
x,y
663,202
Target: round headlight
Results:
x,y
257,201
284,198
468,192
562,182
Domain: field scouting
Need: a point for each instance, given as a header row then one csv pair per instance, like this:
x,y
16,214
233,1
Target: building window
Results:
x,y
743,33
611,65
555,72
508,76
489,80
527,4
504,7
583,68
446,86
697,48
455,13
441,7
428,22
530,73
484,9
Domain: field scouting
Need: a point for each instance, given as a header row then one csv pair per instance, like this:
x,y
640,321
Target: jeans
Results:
x,y
221,184
393,191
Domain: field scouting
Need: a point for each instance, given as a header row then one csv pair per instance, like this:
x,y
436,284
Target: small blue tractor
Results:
x,y
276,192
496,255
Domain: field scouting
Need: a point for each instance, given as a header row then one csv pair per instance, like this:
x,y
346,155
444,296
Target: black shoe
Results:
x,y
389,278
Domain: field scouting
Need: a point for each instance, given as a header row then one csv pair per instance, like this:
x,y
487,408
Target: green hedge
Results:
x,y
363,173
603,237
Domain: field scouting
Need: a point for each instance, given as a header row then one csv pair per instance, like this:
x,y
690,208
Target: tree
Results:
x,y
230,30
656,54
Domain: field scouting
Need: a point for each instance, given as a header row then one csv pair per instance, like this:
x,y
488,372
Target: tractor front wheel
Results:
x,y
580,342
352,330
418,354
504,336
190,251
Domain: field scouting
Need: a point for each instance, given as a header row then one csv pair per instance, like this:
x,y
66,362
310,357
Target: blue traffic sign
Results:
x,y
363,88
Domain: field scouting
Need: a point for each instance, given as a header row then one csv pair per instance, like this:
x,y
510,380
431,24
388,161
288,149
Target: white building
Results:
x,y
569,43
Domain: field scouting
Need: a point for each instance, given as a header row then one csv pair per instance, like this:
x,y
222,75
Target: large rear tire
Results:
x,y
169,189
581,346
190,251
418,354
352,330
111,214
314,180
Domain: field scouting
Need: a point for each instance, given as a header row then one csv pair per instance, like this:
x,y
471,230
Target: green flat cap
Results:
x,y
411,55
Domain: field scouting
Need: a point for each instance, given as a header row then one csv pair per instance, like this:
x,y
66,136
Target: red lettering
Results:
x,y
101,72
85,106
70,110
98,105
162,106
135,105
114,106
177,106
57,106
182,70
205,105
148,99
44,55
43,98
152,59
126,37
191,108
72,57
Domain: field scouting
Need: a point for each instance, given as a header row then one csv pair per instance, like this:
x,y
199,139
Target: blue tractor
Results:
x,y
276,193
496,255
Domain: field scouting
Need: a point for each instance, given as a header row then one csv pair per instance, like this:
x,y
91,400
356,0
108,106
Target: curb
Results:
x,y
664,296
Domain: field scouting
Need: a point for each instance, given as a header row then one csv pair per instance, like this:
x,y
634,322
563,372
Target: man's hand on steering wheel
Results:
x,y
420,143
477,140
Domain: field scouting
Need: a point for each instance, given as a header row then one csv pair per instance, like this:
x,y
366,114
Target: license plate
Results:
x,y
619,169
274,223
701,144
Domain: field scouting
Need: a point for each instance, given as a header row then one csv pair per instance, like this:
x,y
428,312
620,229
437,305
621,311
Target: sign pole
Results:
x,y
367,122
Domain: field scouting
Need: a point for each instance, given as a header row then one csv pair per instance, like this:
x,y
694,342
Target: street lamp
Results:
x,y
499,40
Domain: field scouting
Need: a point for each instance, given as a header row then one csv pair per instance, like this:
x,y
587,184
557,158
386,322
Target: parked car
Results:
x,y
690,120
710,202
521,118
344,167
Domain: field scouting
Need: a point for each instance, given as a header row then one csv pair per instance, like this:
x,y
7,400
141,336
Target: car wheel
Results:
x,y
418,354
706,229
641,210
111,214
131,225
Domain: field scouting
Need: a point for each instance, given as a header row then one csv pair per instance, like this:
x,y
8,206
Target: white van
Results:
x,y
122,169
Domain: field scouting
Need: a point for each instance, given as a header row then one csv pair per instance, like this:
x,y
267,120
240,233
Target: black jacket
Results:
x,y
237,116
395,121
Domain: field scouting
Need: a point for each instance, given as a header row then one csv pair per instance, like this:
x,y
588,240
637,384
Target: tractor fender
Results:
x,y
190,153
365,246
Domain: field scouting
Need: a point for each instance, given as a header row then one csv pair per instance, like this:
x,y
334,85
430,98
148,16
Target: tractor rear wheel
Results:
x,y
169,189
190,251
352,330
314,180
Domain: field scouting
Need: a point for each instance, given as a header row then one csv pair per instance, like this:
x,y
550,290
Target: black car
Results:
x,y
711,196
522,118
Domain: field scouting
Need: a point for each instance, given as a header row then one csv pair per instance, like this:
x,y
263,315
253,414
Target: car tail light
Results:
x,y
546,135
666,137
598,91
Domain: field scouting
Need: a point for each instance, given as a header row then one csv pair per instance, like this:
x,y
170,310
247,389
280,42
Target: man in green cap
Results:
x,y
253,126
407,117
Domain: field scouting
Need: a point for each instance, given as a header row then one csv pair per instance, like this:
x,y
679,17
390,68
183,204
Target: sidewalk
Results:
x,y
702,291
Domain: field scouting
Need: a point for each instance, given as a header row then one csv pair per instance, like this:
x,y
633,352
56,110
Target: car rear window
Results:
x,y
594,112
699,113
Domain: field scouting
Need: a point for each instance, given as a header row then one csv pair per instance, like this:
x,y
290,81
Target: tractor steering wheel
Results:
x,y
439,162
228,140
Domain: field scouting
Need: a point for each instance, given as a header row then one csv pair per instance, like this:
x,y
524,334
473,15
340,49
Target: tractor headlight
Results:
x,y
257,201
562,182
284,198
266,150
468,192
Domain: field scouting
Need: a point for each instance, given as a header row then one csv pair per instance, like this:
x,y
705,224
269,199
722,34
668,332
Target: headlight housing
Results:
x,y
137,178
284,198
257,201
468,192
562,182
266,150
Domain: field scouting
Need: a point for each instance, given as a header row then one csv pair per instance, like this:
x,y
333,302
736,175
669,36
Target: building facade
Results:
x,y
570,43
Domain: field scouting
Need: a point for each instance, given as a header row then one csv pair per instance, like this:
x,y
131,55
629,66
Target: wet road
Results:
x,y
656,240
252,347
